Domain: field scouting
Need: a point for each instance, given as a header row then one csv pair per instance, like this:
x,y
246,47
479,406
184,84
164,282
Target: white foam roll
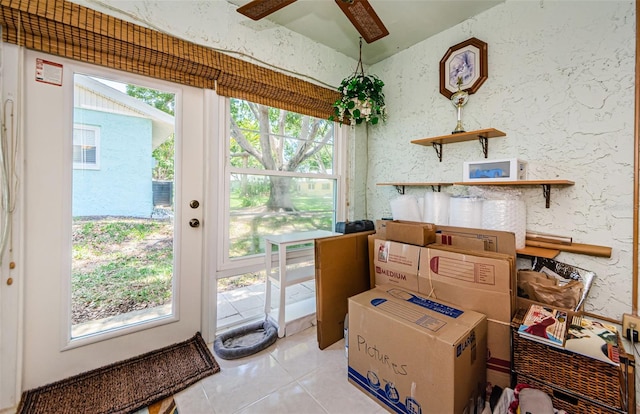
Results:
x,y
405,207
421,208
436,208
506,215
465,212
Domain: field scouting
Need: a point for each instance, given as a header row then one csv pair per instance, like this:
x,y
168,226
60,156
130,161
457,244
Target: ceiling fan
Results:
x,y
359,12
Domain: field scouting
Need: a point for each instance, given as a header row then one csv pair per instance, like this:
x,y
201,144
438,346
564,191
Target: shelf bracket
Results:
x,y
435,188
399,189
484,142
438,147
546,192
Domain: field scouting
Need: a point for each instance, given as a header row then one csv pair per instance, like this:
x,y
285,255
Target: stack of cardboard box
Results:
x,y
473,268
433,324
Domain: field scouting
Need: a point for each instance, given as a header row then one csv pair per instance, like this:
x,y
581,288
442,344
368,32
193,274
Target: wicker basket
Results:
x,y
583,377
568,401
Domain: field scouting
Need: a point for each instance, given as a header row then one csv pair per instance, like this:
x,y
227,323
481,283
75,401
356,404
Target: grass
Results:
x,y
120,265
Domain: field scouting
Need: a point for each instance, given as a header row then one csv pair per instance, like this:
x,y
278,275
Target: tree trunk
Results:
x,y
279,197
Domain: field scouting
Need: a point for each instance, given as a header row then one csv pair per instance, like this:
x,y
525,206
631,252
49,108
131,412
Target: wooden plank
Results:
x,y
461,137
588,249
538,251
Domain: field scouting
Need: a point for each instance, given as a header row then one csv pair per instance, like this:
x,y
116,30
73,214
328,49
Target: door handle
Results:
x,y
194,223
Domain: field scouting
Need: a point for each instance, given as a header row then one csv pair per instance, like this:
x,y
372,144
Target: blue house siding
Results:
x,y
122,184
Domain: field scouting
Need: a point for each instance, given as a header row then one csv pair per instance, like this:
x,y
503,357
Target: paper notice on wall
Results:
x,y
48,72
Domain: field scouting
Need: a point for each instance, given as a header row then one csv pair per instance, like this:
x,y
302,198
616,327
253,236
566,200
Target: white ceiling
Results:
x,y
408,22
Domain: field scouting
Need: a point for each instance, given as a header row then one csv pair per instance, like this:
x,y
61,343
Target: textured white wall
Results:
x,y
561,86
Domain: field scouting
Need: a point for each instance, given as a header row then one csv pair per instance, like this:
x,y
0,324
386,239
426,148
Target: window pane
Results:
x,y
85,142
122,241
311,202
272,139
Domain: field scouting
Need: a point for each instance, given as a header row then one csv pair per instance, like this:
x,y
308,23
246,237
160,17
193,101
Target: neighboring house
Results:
x,y
113,137
308,187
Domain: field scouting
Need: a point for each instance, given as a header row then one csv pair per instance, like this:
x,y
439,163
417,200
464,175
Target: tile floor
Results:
x,y
291,376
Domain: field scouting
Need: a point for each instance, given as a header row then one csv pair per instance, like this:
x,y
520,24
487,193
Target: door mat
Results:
x,y
125,386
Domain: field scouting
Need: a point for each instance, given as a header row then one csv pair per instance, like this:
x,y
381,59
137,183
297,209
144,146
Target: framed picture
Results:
x,y
466,61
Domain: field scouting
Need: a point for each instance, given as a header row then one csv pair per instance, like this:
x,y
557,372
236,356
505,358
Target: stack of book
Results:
x,y
588,337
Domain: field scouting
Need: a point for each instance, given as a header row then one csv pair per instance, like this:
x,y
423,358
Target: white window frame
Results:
x,y
227,267
96,131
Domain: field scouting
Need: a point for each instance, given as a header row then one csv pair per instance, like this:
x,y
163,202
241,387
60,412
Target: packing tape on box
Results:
x,y
436,208
506,215
465,212
405,207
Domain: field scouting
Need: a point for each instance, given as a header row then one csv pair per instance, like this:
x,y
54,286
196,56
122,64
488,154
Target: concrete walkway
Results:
x,y
246,304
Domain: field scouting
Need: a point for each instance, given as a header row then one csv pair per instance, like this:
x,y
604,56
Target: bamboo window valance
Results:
x,y
66,29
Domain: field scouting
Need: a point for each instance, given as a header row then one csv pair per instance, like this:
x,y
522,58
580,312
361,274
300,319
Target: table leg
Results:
x,y
282,254
267,284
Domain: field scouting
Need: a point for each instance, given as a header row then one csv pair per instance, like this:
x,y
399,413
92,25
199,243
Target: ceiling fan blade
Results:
x,y
364,19
257,9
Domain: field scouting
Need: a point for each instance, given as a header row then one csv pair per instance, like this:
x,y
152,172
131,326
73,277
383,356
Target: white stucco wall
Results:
x,y
561,86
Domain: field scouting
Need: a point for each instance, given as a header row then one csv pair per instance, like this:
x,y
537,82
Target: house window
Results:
x,y
86,147
274,158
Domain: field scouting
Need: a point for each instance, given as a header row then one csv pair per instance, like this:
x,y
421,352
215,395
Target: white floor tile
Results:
x,y
291,376
245,381
329,386
193,400
291,398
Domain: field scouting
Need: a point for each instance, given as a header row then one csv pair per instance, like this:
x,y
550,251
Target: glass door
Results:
x,y
113,194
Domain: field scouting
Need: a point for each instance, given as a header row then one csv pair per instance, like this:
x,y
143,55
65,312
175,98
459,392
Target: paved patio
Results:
x,y
246,304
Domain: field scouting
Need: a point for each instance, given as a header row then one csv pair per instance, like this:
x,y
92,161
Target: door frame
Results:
x,y
44,361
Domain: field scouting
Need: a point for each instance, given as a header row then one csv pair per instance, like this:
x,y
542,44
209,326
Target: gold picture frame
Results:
x,y
466,61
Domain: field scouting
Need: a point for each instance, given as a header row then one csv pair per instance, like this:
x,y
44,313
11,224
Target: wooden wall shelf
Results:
x,y
546,185
481,135
400,186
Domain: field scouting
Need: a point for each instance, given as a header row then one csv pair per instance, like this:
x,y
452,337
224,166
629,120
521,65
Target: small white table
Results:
x,y
284,277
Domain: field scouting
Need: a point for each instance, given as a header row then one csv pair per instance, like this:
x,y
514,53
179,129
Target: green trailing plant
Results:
x,y
361,100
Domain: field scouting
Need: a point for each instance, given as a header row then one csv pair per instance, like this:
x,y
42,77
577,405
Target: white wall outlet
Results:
x,y
631,323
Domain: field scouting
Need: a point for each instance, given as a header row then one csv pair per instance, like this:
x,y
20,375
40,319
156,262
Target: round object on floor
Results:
x,y
245,340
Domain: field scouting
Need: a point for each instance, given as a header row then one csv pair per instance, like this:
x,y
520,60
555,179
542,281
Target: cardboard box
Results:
x,y
511,169
381,228
460,242
498,353
494,240
415,355
342,270
372,269
480,281
396,264
419,234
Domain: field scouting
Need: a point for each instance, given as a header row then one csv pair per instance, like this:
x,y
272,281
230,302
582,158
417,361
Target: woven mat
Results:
x,y
128,385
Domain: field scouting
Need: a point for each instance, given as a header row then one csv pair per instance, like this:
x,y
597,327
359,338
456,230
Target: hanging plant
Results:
x,y
361,100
